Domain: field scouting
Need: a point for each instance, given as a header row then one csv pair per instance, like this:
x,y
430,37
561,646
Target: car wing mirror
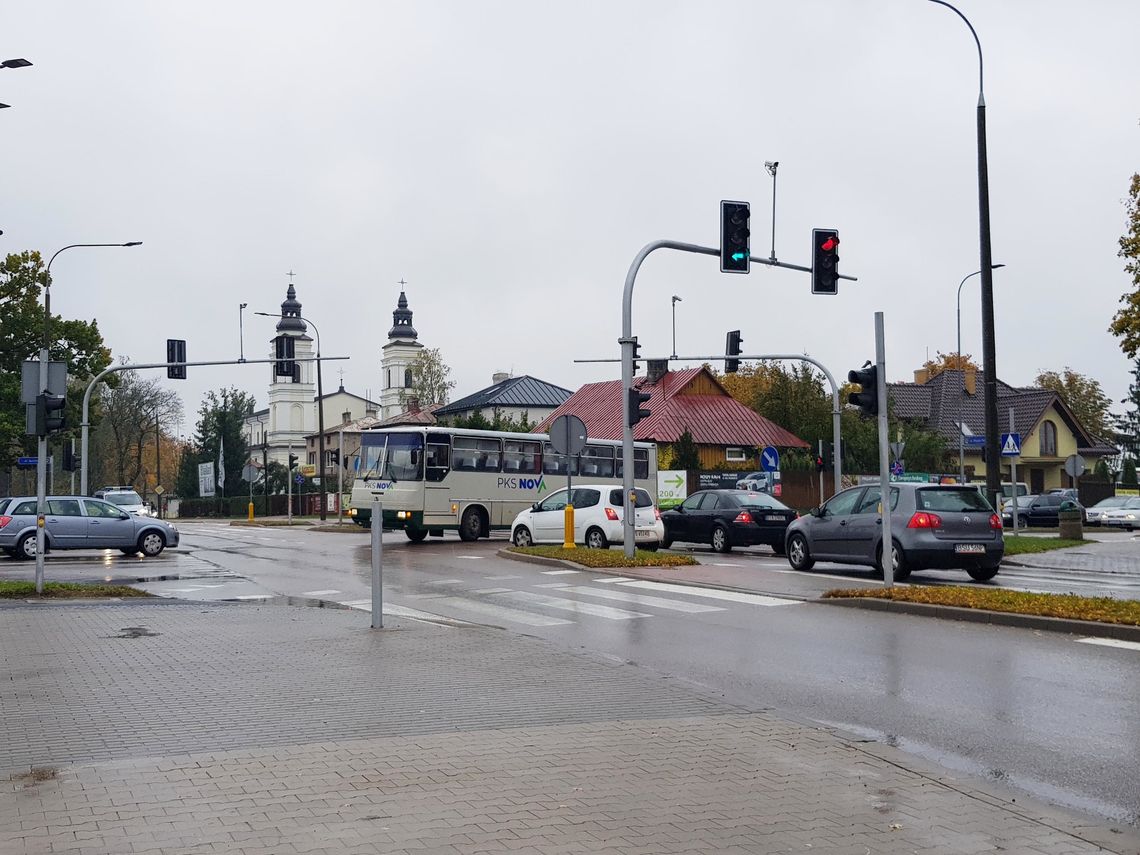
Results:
x,y
818,512
124,516
534,507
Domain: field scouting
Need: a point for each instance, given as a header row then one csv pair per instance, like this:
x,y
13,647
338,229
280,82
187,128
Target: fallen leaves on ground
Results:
x,y
607,557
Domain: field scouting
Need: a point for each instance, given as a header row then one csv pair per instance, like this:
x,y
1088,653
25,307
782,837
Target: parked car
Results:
x,y
1094,514
81,522
1127,516
597,518
728,518
933,526
1040,510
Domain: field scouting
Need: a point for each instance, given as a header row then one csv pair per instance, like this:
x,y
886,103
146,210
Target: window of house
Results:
x,y
735,455
1048,439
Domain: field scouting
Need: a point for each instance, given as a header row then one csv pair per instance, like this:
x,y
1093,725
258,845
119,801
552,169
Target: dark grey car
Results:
x,y
80,522
933,526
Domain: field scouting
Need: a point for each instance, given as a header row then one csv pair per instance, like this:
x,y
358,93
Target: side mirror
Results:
x,y
534,507
124,516
816,512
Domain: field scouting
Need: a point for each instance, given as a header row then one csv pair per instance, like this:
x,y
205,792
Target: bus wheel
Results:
x,y
471,526
415,535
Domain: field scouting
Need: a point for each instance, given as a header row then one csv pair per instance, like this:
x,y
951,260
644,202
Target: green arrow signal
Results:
x,y
739,256
679,481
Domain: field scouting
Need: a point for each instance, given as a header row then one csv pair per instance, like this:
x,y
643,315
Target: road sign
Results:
x,y
300,479
671,488
1074,466
897,469
30,380
897,449
568,434
975,441
770,459
27,461
308,469
160,489
1011,445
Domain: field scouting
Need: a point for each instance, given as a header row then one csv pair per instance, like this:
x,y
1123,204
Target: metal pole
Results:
x,y
340,478
158,462
241,331
888,550
289,483
1012,481
265,472
73,466
377,564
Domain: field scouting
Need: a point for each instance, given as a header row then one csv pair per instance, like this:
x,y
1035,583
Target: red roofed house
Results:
x,y
728,434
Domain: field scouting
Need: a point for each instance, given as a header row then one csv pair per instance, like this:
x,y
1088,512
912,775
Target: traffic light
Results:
x,y
636,411
636,353
292,462
824,261
49,413
819,463
734,252
867,399
732,348
285,352
68,458
176,352
334,457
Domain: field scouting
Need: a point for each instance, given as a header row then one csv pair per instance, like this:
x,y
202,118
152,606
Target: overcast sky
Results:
x,y
509,159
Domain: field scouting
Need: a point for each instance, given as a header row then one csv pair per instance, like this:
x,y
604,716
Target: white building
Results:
x,y
399,354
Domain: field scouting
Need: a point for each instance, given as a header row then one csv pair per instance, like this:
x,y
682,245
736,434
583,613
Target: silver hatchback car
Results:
x,y
933,526
80,522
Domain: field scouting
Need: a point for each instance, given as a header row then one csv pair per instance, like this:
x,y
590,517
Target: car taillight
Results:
x,y
922,519
4,521
743,517
611,514
995,522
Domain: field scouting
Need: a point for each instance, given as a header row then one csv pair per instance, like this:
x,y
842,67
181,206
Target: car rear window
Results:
x,y
24,508
759,500
641,499
131,498
960,500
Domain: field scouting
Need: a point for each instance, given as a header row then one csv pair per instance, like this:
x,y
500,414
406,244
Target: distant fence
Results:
x,y
237,507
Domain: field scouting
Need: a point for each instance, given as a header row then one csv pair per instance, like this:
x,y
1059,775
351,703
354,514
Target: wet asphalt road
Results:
x,y
1043,712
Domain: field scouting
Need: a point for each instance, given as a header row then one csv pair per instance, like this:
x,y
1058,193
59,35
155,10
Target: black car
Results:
x,y
1040,510
728,518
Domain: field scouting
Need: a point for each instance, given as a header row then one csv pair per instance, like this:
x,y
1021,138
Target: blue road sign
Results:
x,y
770,459
1010,445
27,461
300,479
897,469
975,441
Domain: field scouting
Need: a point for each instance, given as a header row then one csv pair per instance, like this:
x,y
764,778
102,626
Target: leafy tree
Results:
x,y
1128,475
221,417
498,421
1084,396
1128,425
1126,322
122,446
430,383
1100,471
685,453
949,362
77,343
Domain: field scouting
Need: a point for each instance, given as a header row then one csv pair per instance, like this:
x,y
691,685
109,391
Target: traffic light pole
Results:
x,y
884,452
85,426
627,342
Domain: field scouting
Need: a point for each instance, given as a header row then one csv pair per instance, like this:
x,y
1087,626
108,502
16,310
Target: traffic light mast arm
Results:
x,y
85,425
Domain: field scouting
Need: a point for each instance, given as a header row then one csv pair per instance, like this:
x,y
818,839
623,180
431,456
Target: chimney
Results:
x,y
413,405
370,409
345,417
655,370
500,376
921,376
970,379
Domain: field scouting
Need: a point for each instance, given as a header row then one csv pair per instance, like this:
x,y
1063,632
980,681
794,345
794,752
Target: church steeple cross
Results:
x,y
290,274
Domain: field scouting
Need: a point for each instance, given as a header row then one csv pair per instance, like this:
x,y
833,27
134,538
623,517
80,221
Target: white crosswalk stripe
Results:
x,y
575,606
711,593
642,599
1111,642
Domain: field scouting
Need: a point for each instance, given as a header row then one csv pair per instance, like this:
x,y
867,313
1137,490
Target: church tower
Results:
x,y
398,356
291,398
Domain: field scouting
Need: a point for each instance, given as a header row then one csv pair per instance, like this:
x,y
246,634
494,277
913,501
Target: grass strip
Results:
x,y
607,557
266,523
1028,545
1069,606
17,589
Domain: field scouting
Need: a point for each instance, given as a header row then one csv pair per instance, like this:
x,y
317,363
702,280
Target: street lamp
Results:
x,y
241,331
962,390
676,300
320,408
41,458
989,350
13,63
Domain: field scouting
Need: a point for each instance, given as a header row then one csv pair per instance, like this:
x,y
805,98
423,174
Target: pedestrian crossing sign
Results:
x,y
1010,445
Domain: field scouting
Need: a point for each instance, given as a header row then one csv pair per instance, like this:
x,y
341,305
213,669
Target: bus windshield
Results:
x,y
398,456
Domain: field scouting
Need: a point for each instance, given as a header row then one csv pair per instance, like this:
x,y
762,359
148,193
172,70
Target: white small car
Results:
x,y
1127,516
597,518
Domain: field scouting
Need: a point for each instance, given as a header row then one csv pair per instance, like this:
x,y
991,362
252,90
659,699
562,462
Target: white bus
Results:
x,y
430,479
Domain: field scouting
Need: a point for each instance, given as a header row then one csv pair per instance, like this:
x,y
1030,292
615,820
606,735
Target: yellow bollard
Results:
x,y
251,511
568,532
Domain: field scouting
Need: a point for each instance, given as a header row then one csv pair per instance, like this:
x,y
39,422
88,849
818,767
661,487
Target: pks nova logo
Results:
x,y
538,483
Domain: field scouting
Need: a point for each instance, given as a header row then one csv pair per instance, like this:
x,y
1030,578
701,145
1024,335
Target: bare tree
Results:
x,y
132,414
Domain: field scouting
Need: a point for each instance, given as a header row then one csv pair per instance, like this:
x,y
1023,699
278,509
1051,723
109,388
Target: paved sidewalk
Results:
x,y
195,728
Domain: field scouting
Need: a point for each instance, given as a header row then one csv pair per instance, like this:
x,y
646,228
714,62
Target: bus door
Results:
x,y
437,463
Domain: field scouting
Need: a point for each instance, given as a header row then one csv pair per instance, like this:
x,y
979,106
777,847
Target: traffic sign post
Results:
x,y
770,459
1011,448
568,437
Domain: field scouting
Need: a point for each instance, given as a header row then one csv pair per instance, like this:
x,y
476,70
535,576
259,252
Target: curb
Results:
x,y
1122,632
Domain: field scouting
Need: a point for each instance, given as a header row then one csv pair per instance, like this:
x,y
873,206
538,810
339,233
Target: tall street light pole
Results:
x,y
13,63
41,458
676,300
320,410
962,390
989,350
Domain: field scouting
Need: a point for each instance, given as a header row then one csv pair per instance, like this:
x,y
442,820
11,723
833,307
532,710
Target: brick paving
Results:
x,y
197,728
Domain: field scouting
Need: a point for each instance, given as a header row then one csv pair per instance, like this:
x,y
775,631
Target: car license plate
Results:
x,y
773,518
970,547
643,534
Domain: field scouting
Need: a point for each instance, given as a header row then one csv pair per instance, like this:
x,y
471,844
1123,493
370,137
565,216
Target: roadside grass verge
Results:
x,y
1069,606
267,523
21,590
344,528
606,557
1027,545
